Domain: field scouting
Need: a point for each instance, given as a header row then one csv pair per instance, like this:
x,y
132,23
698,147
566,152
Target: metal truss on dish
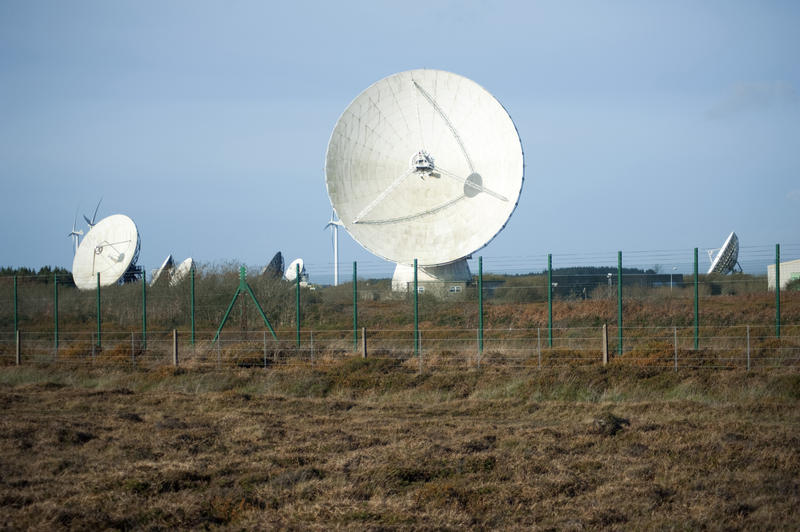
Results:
x,y
726,260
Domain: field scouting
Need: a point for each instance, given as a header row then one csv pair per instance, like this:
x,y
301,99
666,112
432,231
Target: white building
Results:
x,y
790,271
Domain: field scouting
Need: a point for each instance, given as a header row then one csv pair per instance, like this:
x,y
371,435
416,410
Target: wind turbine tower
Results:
x,y
334,224
75,233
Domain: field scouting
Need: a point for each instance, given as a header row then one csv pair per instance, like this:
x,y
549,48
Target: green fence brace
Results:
x,y
244,287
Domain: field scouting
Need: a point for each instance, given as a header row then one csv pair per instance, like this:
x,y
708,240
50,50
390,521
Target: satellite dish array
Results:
x,y
176,275
111,248
425,165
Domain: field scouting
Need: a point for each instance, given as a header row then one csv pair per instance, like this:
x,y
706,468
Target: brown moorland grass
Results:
x,y
373,444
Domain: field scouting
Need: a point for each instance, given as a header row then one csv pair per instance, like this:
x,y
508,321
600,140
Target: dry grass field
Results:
x,y
372,444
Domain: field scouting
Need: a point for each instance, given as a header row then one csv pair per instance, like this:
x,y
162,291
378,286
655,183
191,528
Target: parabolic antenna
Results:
x,y
110,248
180,273
165,266
727,257
275,266
291,271
424,164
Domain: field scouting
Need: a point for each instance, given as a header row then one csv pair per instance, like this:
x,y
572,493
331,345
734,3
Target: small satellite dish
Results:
x,y
180,273
426,165
275,267
726,260
291,271
110,248
165,266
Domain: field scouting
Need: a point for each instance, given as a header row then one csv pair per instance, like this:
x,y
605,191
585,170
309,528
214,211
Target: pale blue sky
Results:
x,y
650,127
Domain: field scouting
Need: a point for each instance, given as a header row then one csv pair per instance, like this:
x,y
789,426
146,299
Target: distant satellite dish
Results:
x,y
727,258
426,165
110,248
275,267
165,266
291,271
180,273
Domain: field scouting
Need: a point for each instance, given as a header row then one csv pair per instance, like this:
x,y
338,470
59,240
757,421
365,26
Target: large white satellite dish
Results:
x,y
291,271
110,248
180,273
727,258
424,164
166,266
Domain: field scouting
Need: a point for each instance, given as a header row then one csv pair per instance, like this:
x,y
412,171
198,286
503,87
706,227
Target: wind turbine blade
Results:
x,y
94,216
88,221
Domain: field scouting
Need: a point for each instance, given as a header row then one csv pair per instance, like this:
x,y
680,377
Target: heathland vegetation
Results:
x,y
373,444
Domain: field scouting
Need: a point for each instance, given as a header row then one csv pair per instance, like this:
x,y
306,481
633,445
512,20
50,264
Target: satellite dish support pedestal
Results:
x,y
243,287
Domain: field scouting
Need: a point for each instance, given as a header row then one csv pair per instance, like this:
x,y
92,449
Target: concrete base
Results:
x,y
403,278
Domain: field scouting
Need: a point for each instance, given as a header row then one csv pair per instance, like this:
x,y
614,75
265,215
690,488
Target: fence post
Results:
x,y
17,342
539,346
133,352
416,312
355,307
419,346
778,290
363,342
605,344
98,309
311,336
219,350
55,312
175,347
549,300
192,301
265,349
748,348
480,304
619,301
16,319
144,309
675,343
297,300
696,305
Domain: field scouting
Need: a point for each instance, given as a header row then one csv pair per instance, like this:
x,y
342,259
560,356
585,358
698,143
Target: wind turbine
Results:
x,y
334,224
94,216
75,233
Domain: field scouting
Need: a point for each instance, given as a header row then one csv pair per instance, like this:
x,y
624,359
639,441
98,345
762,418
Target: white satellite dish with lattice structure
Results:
x,y
727,257
181,271
425,165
